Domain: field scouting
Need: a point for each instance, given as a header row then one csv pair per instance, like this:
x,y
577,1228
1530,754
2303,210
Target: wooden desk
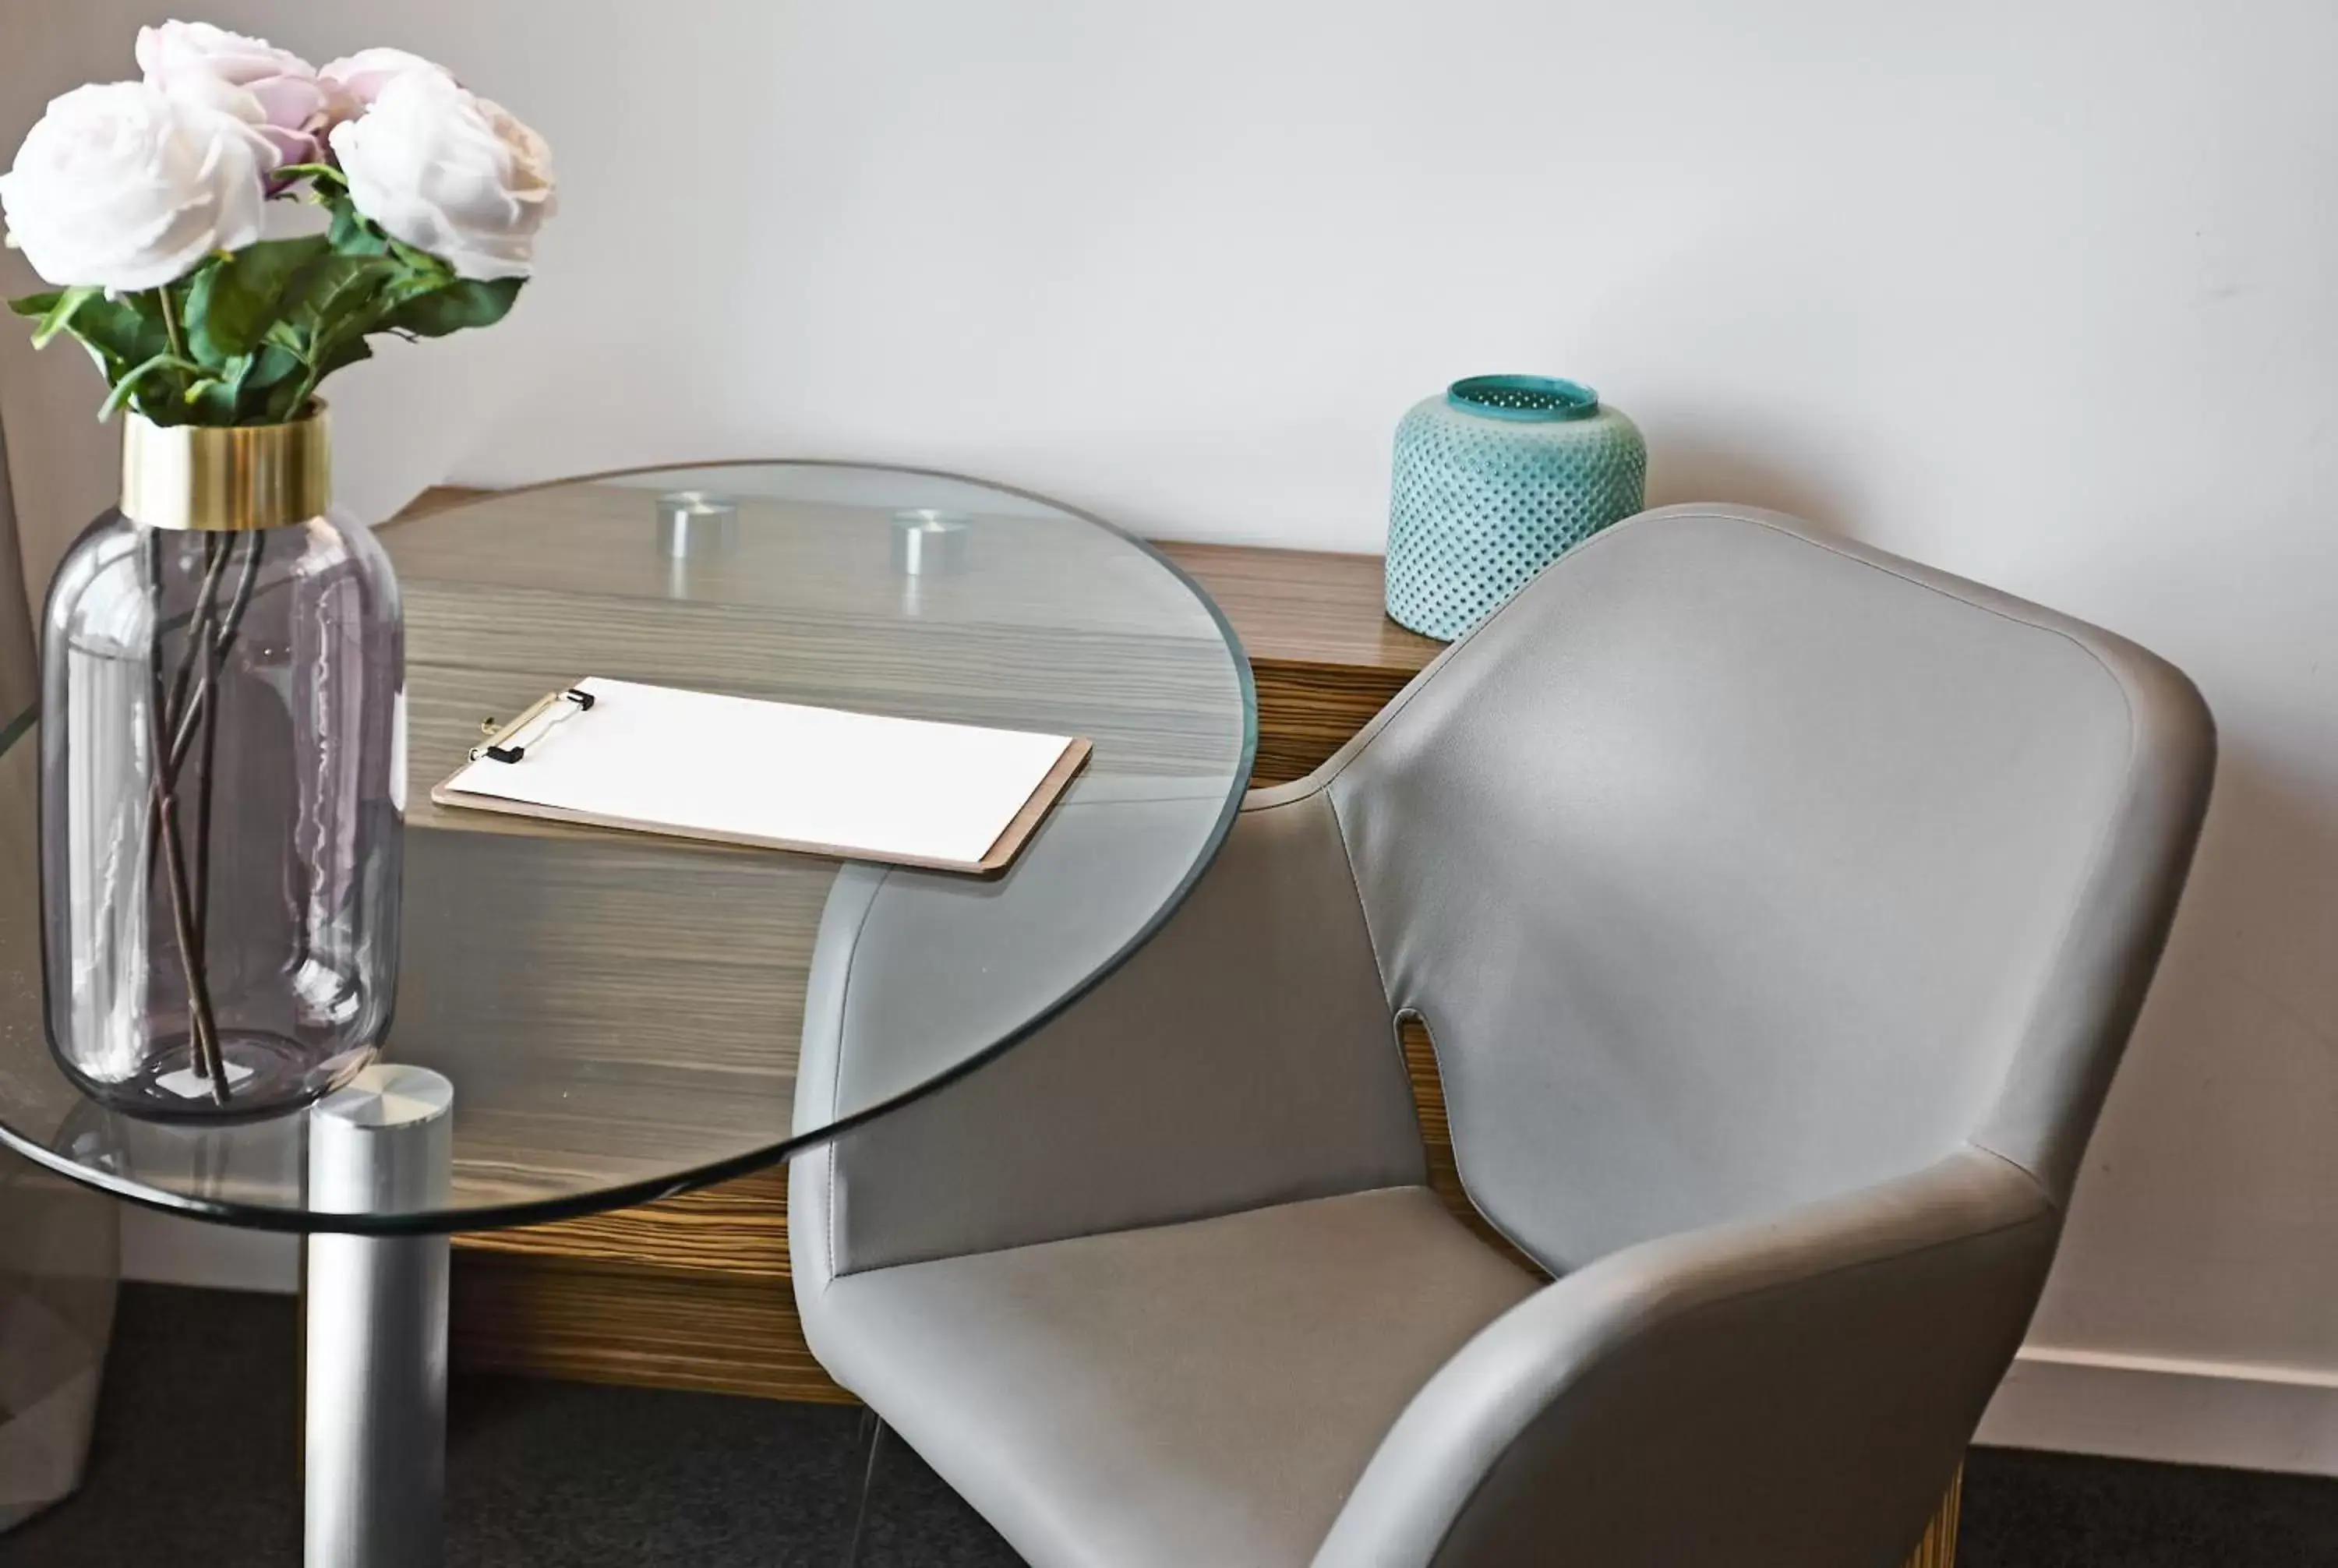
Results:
x,y
693,1292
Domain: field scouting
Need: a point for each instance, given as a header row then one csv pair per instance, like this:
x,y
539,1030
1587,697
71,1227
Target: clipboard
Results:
x,y
768,775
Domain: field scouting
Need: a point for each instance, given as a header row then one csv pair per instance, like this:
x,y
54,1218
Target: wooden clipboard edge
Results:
x,y
1000,855
1035,810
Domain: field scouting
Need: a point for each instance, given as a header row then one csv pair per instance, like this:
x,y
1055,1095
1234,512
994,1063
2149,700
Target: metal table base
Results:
x,y
376,1326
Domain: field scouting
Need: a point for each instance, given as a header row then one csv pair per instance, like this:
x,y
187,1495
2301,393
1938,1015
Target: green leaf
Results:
x,y
282,402
337,287
352,232
286,398
218,399
453,306
212,401
126,387
426,267
200,348
60,313
344,298
234,302
120,332
273,363
347,352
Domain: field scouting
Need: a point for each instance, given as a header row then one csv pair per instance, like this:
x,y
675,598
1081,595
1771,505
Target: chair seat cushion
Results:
x,y
1204,1393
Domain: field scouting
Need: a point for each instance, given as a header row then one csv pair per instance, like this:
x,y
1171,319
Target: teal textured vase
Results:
x,y
1494,481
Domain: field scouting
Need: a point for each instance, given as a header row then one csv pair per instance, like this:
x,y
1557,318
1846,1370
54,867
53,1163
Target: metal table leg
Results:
x,y
377,1329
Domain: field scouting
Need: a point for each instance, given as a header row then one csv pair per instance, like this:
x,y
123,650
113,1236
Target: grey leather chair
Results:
x,y
1779,909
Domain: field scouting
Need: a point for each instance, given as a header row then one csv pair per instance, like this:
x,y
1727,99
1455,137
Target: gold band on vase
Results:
x,y
226,479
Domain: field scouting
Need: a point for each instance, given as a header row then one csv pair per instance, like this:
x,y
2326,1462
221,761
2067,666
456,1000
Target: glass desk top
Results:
x,y
620,1014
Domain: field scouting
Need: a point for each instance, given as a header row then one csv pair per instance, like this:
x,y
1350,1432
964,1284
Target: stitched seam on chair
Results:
x,y
1901,1254
836,1076
1363,910
1139,1227
2126,699
1914,582
2045,1193
1299,790
1380,720
1453,1139
1608,536
2097,857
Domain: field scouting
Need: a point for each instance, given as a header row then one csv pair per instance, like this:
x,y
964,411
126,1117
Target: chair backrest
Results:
x,y
1733,865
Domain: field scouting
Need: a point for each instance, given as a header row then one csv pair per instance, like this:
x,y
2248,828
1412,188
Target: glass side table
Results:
x,y
587,1020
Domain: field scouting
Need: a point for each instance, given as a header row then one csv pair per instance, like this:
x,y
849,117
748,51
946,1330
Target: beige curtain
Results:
x,y
60,1243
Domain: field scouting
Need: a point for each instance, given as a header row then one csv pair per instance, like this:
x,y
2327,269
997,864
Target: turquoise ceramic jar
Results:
x,y
1494,481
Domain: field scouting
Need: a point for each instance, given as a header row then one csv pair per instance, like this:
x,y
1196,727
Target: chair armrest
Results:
x,y
1795,1391
1245,1055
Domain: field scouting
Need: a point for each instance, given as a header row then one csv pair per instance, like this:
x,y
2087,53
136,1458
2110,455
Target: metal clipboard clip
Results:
x,y
548,714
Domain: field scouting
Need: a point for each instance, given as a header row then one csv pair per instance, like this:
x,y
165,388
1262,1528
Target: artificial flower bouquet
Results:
x,y
144,202
222,711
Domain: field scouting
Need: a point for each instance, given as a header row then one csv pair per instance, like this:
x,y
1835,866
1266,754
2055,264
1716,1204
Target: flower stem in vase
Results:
x,y
204,1045
204,1048
182,729
208,695
207,698
175,708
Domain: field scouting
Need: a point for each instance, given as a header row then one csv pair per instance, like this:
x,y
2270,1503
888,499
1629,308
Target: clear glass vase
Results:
x,y
222,782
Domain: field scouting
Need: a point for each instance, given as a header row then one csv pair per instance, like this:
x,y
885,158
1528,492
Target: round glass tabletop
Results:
x,y
620,1014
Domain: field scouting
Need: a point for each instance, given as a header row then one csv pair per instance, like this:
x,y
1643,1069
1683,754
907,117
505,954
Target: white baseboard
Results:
x,y
2245,1414
164,1250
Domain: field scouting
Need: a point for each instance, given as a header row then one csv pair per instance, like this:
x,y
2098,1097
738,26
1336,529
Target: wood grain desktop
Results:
x,y
693,1292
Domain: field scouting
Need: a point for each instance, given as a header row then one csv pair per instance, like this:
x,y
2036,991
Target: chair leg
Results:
x,y
872,1438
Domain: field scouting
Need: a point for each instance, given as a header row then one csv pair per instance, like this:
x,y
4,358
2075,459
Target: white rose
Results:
x,y
272,90
126,187
449,173
361,76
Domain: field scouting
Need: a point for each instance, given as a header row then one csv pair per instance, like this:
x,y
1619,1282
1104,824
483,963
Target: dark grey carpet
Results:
x,y
197,1464
2025,1510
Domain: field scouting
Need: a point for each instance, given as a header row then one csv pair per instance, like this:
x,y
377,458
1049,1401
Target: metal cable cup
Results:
x,y
696,524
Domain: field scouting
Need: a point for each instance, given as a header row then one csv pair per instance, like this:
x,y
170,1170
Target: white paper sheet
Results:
x,y
694,762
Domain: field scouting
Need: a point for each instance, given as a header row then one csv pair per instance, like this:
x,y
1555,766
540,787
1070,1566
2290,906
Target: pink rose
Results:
x,y
272,90
361,76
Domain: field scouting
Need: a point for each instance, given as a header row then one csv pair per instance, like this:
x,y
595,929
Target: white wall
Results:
x,y
2047,295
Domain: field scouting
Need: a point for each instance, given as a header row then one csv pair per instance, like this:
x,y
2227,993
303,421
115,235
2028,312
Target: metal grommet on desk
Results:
x,y
696,523
929,544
